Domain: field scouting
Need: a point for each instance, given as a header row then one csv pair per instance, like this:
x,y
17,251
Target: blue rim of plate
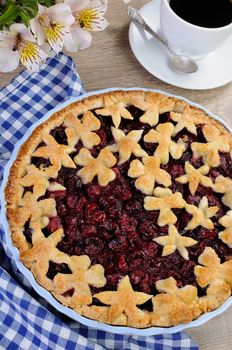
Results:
x,y
47,295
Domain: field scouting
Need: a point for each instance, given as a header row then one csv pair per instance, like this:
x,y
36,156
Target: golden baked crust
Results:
x,y
171,304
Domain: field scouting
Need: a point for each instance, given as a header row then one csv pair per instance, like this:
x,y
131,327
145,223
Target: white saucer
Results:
x,y
214,70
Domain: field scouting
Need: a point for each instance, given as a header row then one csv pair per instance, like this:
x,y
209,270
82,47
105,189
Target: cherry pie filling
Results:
x,y
111,226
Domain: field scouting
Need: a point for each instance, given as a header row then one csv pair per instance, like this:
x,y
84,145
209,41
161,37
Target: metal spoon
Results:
x,y
181,63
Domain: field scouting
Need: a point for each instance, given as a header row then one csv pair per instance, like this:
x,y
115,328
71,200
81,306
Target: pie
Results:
x,y
121,206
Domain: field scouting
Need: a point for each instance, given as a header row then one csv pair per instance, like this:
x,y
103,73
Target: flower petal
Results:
x,y
77,5
20,28
7,39
41,10
61,13
47,49
99,24
37,30
4,35
92,18
9,60
82,37
55,36
70,44
99,6
31,56
58,9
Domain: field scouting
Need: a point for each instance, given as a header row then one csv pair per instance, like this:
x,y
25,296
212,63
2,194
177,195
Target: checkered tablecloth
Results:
x,y
27,321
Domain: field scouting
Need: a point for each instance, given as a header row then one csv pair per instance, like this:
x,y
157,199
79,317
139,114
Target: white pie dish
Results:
x,y
45,294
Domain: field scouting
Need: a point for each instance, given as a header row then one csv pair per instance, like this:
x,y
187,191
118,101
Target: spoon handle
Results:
x,y
138,19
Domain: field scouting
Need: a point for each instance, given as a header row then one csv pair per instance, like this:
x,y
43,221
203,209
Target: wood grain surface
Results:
x,y
109,62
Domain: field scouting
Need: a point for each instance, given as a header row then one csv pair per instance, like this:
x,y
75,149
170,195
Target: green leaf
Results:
x,y
30,6
21,10
24,16
28,10
47,3
10,14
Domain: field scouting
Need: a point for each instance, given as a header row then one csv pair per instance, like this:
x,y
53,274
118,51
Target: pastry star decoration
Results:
x,y
195,177
34,210
99,166
124,300
116,109
57,154
164,201
83,275
39,182
212,269
147,173
187,118
185,299
174,241
162,136
127,145
224,185
201,215
226,235
82,129
153,105
216,141
43,251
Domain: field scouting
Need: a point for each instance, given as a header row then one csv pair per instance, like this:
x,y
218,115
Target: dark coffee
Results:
x,y
204,13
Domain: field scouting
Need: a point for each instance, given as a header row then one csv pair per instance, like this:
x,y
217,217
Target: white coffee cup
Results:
x,y
189,39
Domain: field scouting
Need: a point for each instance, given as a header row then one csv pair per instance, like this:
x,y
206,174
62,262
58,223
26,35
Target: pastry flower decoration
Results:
x,y
114,109
224,185
127,145
187,294
216,141
56,153
124,300
212,269
40,183
162,136
83,275
99,166
147,173
174,241
201,215
164,201
43,251
226,235
185,119
82,129
195,177
185,300
34,210
153,105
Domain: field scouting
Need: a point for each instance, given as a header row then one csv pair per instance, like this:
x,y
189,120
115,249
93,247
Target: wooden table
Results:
x,y
110,63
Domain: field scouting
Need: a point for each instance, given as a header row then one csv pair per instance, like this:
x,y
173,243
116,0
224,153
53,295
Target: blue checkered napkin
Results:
x,y
30,96
27,321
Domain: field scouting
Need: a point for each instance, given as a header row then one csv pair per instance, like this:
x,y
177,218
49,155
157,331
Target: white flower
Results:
x,y
52,25
16,45
89,16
